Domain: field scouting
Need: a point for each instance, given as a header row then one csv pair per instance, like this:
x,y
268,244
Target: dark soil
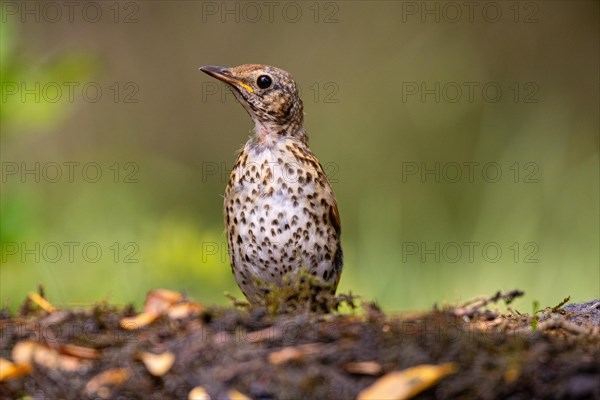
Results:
x,y
223,349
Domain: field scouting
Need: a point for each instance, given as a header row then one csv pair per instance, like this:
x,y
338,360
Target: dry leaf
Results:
x,y
43,303
511,374
8,370
80,351
28,352
98,385
158,364
400,385
159,300
293,353
184,310
137,322
22,353
235,395
198,393
363,368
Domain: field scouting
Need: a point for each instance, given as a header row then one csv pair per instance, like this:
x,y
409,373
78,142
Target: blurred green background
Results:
x,y
462,144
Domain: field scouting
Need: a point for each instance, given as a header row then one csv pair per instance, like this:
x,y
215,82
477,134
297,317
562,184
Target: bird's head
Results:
x,y
269,94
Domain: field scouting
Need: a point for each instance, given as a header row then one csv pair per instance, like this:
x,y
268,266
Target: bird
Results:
x,y
281,215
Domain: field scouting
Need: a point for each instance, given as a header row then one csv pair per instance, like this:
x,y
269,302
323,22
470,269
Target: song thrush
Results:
x,y
280,212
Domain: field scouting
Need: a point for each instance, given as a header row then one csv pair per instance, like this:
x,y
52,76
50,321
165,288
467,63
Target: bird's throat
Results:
x,y
268,133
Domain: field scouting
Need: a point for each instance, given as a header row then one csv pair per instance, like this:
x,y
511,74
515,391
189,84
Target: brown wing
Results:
x,y
334,214
307,157
334,217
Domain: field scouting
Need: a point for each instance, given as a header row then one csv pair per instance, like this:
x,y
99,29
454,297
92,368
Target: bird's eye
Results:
x,y
264,81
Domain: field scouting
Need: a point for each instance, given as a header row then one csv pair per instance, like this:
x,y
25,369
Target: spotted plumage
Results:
x,y
280,212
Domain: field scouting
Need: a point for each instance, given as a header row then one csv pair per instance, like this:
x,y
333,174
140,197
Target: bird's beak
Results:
x,y
224,75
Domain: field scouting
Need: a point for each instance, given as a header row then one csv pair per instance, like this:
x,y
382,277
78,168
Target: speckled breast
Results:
x,y
281,216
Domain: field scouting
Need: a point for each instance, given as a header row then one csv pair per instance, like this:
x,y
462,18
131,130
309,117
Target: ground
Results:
x,y
178,349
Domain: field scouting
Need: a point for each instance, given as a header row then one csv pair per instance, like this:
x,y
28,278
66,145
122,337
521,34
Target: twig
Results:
x,y
472,307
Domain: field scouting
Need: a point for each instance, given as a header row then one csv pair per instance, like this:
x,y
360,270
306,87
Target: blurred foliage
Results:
x,y
37,107
164,140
